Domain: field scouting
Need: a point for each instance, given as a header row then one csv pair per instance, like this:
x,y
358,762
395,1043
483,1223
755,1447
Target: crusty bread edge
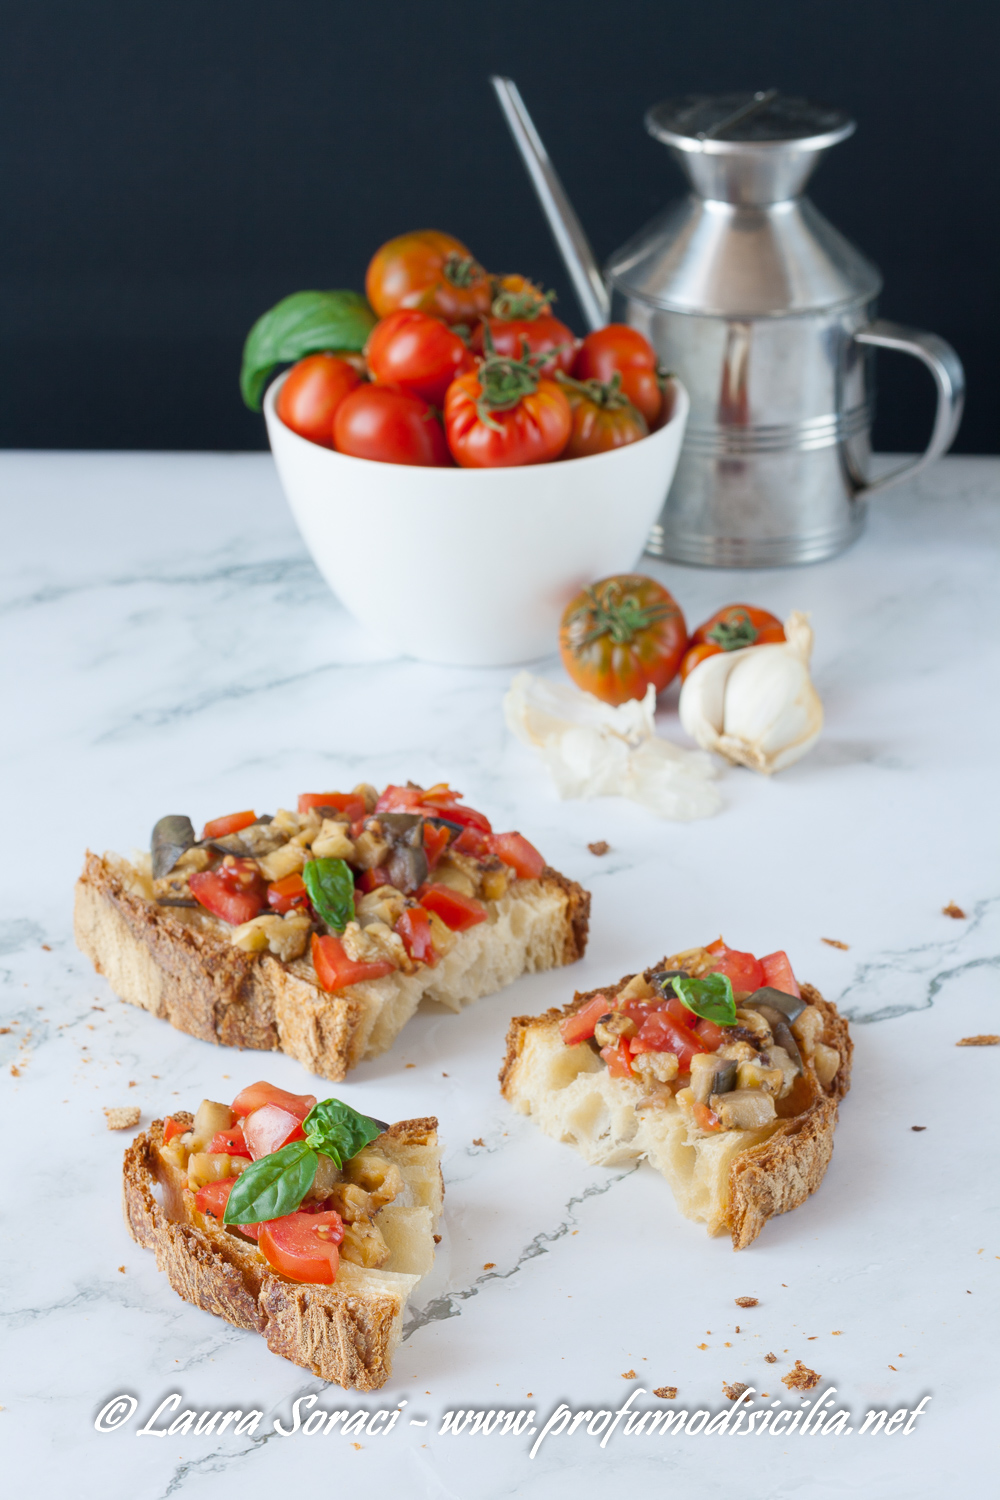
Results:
x,y
764,1180
341,1334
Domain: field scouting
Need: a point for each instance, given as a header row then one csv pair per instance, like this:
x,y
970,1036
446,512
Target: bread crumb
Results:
x,y
735,1391
988,1039
893,1367
405,1065
123,1118
666,1392
702,1346
133,1083
356,1445
951,910
737,1328
122,1269
800,1377
478,1141
918,1127
444,1075
746,1302
15,1071
601,846
628,1374
437,1239
836,943
771,1359
4,1030
836,1333
489,1265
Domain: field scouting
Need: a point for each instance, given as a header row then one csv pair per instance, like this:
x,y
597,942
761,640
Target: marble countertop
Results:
x,y
168,645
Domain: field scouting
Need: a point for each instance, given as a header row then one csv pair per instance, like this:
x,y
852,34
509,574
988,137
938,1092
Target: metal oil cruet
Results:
x,y
767,313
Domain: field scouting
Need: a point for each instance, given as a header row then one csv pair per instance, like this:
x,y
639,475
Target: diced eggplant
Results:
x,y
711,1075
172,837
398,824
791,1006
661,981
780,1029
407,867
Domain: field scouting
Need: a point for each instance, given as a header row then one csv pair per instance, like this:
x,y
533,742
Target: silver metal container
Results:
x,y
767,314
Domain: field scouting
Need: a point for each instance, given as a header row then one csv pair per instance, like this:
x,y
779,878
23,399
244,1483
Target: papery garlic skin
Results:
x,y
757,707
595,750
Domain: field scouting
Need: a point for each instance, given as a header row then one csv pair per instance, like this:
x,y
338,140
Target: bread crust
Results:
x,y
344,1333
765,1179
181,967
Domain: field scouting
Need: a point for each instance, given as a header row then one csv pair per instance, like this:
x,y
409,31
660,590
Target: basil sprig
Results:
x,y
304,323
276,1184
330,884
710,998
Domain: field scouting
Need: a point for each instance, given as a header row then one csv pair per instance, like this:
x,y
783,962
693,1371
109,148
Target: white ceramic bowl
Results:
x,y
472,567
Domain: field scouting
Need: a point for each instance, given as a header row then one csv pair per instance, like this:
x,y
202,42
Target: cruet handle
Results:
x,y
949,378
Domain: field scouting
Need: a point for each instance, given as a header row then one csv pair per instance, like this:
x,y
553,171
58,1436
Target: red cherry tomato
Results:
x,y
515,337
256,1095
778,974
236,891
335,970
310,394
219,827
731,629
534,431
743,969
232,1142
455,910
418,353
269,1128
390,426
621,634
515,851
431,271
289,894
415,930
303,1246
579,1027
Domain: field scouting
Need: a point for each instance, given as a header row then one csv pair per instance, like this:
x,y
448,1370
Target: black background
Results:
x,y
170,170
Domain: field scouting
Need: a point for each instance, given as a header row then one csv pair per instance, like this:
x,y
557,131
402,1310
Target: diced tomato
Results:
x,y
236,891
706,1118
370,880
712,1036
467,816
231,1141
743,969
579,1027
438,799
472,841
517,852
289,894
436,841
414,928
399,799
269,1128
660,1032
213,1197
618,1058
302,1246
219,827
172,1127
455,910
345,802
256,1095
335,970
777,974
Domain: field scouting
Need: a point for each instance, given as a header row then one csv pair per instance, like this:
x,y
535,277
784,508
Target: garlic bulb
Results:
x,y
757,707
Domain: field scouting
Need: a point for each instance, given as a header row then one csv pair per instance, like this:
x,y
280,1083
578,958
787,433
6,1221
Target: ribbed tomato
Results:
x,y
730,629
603,417
544,335
486,432
617,347
418,353
620,635
390,426
431,271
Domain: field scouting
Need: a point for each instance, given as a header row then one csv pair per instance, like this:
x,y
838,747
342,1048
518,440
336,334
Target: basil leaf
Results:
x,y
273,1186
711,998
338,1130
331,890
303,323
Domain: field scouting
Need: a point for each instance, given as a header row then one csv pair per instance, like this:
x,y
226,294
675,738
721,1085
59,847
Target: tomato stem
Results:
x,y
607,394
462,270
734,632
524,305
610,611
505,382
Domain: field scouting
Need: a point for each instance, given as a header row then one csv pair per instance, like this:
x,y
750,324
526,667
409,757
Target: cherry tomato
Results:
x,y
219,827
269,1128
579,1027
418,353
390,426
620,635
303,1246
232,1142
335,970
430,271
310,394
603,417
289,894
455,910
542,335
533,428
236,891
256,1095
743,969
778,974
415,929
731,629
515,851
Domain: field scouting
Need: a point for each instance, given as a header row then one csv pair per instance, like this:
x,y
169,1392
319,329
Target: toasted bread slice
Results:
x,y
179,964
345,1332
732,1180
